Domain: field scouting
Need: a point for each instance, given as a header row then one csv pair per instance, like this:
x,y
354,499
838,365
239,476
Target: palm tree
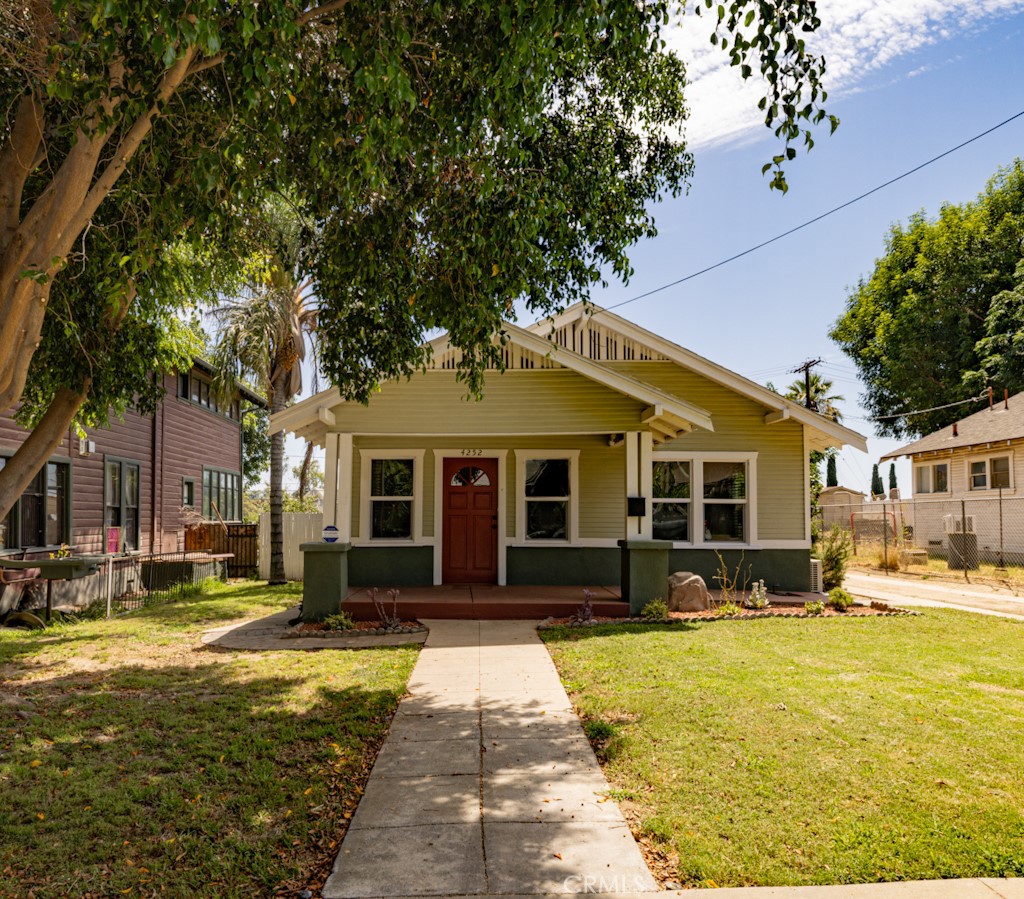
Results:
x,y
823,401
263,332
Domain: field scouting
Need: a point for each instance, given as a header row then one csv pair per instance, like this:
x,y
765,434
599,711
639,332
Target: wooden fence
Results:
x,y
241,540
299,527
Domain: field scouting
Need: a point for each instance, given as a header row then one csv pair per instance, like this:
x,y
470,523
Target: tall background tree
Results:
x,y
454,157
940,317
831,477
892,476
877,488
824,402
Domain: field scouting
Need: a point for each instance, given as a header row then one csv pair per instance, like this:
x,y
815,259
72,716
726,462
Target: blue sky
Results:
x,y
909,79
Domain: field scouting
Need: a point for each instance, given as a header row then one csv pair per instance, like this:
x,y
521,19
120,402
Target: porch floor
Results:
x,y
487,602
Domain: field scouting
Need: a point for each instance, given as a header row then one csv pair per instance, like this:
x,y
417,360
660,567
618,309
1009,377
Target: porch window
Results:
x,y
671,506
41,516
547,493
121,489
725,501
392,493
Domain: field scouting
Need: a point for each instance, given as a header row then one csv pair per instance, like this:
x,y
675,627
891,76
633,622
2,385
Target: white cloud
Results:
x,y
857,37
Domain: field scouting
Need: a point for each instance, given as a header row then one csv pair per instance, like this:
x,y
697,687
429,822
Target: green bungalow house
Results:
x,y
597,432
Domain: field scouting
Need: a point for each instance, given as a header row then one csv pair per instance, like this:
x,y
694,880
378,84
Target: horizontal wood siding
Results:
x,y
188,438
191,438
517,402
740,427
602,476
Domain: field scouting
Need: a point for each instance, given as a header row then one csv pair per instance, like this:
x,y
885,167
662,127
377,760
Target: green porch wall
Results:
x,y
391,566
562,566
785,569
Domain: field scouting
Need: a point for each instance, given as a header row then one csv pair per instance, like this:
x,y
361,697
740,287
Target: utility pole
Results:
x,y
806,369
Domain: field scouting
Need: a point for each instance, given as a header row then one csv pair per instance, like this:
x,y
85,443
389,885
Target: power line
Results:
x,y
973,399
817,218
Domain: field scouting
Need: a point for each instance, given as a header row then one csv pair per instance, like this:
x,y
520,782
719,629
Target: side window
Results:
x,y
391,498
547,497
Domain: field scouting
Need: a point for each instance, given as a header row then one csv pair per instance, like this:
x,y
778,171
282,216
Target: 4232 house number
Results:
x,y
471,452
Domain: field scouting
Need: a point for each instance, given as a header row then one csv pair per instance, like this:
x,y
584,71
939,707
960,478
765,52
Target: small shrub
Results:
x,y
834,549
340,622
386,619
814,607
726,609
655,610
758,598
585,613
839,599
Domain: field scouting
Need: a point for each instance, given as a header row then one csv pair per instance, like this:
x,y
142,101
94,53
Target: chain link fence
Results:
x,y
972,537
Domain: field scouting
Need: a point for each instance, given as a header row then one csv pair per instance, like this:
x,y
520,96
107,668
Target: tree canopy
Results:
x,y
941,317
451,157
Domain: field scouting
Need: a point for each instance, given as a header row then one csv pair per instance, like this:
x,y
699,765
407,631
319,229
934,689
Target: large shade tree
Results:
x,y
939,319
454,156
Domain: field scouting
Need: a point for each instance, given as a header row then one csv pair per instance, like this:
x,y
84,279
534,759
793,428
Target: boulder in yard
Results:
x,y
687,592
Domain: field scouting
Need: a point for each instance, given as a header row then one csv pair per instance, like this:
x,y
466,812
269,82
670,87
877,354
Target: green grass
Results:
x,y
776,752
143,763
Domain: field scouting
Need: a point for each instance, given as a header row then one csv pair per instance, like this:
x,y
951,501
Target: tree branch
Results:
x,y
318,12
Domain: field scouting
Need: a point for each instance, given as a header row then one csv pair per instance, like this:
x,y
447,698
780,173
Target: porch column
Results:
x,y
639,483
338,485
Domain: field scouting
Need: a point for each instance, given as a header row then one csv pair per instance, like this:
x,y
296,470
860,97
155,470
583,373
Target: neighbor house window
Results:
x,y
991,473
41,516
931,478
121,499
199,390
725,501
392,494
188,493
222,494
672,500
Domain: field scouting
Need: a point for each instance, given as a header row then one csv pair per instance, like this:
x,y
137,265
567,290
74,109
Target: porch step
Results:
x,y
487,602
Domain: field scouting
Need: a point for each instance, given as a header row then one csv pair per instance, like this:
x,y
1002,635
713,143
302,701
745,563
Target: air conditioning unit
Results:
x,y
86,447
955,524
816,576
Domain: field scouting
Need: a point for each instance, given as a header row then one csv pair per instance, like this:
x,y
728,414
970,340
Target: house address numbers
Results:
x,y
471,452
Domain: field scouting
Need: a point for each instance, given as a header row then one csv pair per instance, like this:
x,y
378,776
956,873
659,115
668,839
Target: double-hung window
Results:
x,y
672,500
993,473
41,516
392,495
547,499
725,501
121,499
931,478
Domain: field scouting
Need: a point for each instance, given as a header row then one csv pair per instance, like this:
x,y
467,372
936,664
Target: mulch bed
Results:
x,y
876,609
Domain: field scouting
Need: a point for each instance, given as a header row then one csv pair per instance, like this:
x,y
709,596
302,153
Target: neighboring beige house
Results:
x,y
971,470
598,431
837,504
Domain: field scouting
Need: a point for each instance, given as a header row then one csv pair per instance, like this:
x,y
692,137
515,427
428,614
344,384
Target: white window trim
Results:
x,y
931,466
522,456
697,461
366,459
987,459
468,454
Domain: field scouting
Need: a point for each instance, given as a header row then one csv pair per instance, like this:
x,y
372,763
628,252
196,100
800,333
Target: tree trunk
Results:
x,y
307,460
41,443
278,398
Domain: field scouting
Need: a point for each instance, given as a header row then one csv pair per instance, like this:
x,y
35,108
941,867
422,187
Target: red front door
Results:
x,y
469,540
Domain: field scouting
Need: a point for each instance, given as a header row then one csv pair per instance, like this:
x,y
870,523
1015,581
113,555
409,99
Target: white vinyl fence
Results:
x,y
299,527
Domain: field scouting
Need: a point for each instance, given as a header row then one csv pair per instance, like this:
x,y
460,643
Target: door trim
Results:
x,y
471,453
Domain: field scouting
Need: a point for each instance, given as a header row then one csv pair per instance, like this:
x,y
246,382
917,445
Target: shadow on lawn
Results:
x,y
190,778
568,634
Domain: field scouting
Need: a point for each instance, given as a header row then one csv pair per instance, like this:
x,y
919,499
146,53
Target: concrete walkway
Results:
x,y
486,784
905,591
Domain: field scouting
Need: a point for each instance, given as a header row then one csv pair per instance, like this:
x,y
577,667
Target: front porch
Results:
x,y
487,602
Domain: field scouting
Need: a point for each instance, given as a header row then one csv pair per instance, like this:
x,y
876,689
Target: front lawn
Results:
x,y
134,761
811,751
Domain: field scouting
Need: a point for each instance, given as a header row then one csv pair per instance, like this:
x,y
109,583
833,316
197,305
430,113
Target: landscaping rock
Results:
x,y
687,592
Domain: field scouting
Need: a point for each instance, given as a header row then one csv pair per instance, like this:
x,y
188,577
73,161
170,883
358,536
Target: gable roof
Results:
x,y
576,325
1000,422
667,415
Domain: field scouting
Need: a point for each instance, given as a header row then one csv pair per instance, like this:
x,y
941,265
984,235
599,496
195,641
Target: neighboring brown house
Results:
x,y
135,475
